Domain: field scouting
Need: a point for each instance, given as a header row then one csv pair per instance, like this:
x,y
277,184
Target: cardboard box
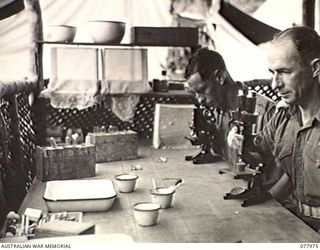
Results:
x,y
63,228
115,146
165,36
63,163
171,125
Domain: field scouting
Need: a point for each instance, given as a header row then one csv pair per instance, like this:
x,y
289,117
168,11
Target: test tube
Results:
x,y
68,141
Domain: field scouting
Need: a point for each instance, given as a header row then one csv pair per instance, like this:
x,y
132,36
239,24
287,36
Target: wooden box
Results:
x,y
165,36
63,163
115,146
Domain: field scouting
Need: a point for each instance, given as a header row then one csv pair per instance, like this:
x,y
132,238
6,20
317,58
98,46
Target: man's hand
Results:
x,y
282,188
235,140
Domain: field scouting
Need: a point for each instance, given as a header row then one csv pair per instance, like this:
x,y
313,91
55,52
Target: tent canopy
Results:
x,y
280,14
10,7
255,30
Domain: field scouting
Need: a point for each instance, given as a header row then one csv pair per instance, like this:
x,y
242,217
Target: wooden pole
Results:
x,y
308,13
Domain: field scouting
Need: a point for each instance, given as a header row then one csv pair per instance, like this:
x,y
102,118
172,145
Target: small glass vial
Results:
x,y
87,140
164,81
68,141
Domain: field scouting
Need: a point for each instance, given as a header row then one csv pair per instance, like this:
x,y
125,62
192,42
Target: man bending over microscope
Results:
x,y
210,80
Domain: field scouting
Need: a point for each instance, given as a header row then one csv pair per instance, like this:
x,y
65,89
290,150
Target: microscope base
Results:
x,y
235,194
203,157
247,172
255,199
253,194
249,197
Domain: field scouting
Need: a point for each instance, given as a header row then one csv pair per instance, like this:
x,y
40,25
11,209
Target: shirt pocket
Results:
x,y
283,155
312,170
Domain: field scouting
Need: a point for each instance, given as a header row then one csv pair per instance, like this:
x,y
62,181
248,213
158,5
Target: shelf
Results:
x,y
169,93
177,93
112,44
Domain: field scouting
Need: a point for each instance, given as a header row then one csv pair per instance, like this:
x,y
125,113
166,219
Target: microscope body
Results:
x,y
246,119
204,135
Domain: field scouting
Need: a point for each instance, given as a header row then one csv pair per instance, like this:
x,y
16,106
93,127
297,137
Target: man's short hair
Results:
x,y
305,39
205,61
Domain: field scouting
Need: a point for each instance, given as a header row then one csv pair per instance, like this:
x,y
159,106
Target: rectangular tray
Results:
x,y
79,195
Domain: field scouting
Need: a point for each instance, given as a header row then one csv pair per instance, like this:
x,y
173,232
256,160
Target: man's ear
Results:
x,y
315,64
220,76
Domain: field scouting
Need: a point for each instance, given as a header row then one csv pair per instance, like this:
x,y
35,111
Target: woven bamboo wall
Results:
x,y
102,115
17,149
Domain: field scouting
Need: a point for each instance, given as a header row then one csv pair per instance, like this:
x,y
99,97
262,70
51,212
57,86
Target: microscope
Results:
x,y
245,118
204,135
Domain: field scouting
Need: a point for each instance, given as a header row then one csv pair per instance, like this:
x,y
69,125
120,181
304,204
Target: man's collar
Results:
x,y
317,116
294,109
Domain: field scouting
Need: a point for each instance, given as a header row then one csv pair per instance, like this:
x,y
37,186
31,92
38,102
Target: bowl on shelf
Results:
x,y
126,182
106,31
62,33
146,213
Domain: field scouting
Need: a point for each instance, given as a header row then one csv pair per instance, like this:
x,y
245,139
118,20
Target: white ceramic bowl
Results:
x,y
162,196
62,33
106,31
126,182
146,213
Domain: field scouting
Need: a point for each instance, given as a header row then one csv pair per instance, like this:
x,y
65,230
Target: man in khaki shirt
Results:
x,y
293,134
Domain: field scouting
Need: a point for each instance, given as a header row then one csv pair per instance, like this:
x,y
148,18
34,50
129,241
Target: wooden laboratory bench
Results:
x,y
198,213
